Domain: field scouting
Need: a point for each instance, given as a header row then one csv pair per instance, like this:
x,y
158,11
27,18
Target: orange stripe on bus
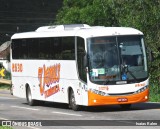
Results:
x,y
95,99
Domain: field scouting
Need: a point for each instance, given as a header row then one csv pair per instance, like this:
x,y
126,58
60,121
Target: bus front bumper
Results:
x,y
98,100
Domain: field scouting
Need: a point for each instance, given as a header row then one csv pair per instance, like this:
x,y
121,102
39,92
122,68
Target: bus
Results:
x,y
80,65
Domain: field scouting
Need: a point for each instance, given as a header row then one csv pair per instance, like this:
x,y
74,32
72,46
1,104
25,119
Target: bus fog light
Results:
x,y
146,97
94,101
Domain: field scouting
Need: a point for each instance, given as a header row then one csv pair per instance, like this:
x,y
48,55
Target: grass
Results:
x,y
154,93
4,86
5,127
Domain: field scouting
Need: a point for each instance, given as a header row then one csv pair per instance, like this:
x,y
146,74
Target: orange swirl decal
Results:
x,y
49,78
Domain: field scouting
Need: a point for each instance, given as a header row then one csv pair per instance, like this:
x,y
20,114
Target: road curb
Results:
x,y
154,102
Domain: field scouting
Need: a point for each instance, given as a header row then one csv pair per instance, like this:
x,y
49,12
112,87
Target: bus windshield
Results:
x,y
116,58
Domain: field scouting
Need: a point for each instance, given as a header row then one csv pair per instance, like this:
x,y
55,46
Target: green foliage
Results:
x,y
154,93
92,12
5,86
141,14
8,77
5,127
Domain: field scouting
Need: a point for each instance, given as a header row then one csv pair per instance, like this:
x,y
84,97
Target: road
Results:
x,y
13,108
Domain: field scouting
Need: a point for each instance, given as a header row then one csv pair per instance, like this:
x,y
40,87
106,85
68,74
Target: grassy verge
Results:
x,y
5,127
4,86
154,93
7,76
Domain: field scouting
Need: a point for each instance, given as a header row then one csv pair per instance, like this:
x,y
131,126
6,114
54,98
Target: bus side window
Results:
x,y
52,47
24,49
68,51
32,48
20,49
57,48
44,48
16,48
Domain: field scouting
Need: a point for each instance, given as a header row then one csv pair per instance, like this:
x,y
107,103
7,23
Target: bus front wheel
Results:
x,y
30,101
72,101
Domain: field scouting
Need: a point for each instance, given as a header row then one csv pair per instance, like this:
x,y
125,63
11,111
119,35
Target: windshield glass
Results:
x,y
113,59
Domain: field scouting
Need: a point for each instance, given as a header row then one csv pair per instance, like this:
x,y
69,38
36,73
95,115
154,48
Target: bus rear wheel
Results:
x,y
30,101
125,106
72,101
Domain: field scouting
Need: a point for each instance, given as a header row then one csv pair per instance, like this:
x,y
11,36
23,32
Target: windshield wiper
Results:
x,y
126,70
106,81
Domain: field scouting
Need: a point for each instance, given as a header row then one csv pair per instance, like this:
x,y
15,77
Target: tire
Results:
x,y
125,106
30,101
72,102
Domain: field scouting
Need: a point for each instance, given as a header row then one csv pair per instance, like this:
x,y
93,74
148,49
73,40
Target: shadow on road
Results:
x,y
108,108
117,108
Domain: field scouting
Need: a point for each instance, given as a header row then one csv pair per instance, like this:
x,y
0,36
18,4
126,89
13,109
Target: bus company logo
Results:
x,y
140,84
48,78
104,88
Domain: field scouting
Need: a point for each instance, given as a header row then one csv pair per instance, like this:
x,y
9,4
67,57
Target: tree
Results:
x,y
92,12
141,14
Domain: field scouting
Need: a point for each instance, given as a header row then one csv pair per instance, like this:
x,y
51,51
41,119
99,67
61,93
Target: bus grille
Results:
x,y
116,94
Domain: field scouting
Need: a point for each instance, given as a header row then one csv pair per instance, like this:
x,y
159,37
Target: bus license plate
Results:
x,y
122,100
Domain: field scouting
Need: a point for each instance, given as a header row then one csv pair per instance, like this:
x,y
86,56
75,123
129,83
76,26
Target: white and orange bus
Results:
x,y
80,65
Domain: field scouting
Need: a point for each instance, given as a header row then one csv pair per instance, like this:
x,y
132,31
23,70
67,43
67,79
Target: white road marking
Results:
x,y
66,113
25,108
153,102
1,118
6,98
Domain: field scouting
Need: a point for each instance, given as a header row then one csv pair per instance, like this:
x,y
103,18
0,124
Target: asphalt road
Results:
x,y
57,116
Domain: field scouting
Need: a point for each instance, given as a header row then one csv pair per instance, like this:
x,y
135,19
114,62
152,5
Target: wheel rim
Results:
x,y
73,102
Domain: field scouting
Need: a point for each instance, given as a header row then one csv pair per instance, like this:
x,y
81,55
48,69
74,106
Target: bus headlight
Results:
x,y
142,89
98,92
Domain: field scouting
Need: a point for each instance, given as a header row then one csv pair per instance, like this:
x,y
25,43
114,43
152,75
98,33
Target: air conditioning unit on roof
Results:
x,y
61,27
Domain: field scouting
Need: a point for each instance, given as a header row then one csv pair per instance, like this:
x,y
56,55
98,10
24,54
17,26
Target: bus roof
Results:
x,y
81,30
